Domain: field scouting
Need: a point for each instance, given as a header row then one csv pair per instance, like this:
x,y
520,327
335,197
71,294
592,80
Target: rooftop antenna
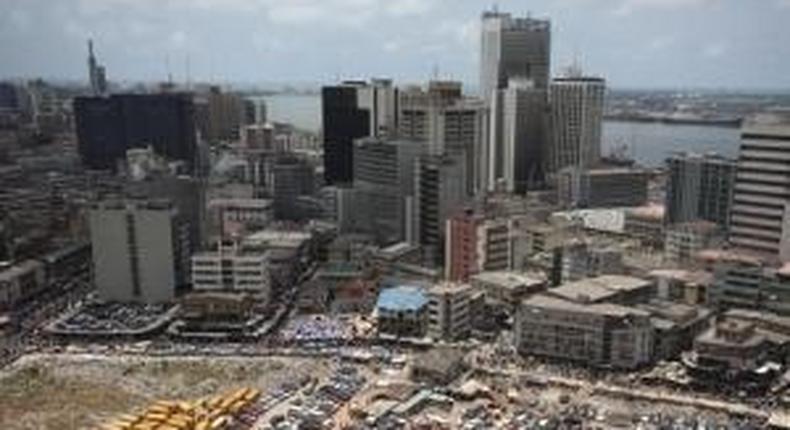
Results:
x,y
187,72
167,66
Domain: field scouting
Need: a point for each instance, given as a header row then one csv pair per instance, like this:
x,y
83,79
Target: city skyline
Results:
x,y
252,42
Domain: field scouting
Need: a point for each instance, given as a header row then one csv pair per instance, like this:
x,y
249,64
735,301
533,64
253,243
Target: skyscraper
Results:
x,y
448,124
576,105
513,48
108,126
699,187
440,191
96,73
518,136
759,216
343,121
384,171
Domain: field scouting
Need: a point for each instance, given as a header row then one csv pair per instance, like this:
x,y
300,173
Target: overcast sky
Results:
x,y
632,43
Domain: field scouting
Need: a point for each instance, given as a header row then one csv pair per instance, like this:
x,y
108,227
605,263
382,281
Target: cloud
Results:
x,y
715,50
177,39
628,7
661,43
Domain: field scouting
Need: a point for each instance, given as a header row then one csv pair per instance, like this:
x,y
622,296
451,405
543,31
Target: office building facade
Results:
x,y
343,120
140,251
699,187
759,216
513,47
108,126
576,106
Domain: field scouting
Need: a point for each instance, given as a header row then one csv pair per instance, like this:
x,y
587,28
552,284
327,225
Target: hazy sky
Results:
x,y
633,43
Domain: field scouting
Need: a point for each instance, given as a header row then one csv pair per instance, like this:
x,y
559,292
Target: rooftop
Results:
x,y
545,301
599,289
402,298
653,211
510,280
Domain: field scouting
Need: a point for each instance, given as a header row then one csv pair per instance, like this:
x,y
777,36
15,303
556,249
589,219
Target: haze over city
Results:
x,y
731,44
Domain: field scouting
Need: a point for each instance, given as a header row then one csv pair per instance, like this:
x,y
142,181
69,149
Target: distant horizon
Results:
x,y
711,44
267,85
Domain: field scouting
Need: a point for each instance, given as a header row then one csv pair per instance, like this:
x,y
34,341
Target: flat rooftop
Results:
x,y
544,301
402,298
510,280
599,289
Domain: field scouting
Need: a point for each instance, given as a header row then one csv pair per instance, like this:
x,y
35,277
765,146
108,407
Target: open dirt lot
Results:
x,y
43,391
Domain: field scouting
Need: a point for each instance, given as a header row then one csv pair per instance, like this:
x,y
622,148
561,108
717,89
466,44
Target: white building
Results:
x,y
576,105
759,217
232,269
449,311
140,250
513,48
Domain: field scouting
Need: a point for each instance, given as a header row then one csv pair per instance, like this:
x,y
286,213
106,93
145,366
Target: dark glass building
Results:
x,y
343,121
108,126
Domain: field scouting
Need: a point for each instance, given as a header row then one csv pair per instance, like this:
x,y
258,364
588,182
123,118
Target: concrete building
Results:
x,y
232,269
449,311
602,187
513,47
402,311
439,192
474,244
221,115
699,187
519,132
748,281
236,216
684,241
576,105
140,250
21,282
758,215
291,177
646,223
623,290
596,334
508,289
384,180
260,137
590,258
449,125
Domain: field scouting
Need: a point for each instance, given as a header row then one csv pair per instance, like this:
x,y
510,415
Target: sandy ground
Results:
x,y
42,391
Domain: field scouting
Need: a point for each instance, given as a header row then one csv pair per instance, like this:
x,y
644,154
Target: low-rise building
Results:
x,y
232,269
21,282
624,290
508,289
675,325
402,311
684,286
596,334
684,241
646,223
449,311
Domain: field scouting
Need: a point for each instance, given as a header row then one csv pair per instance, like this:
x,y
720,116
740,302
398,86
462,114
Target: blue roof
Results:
x,y
402,298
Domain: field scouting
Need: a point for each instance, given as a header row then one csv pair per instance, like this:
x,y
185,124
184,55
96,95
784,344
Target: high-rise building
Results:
x,y
96,73
759,213
448,124
221,115
576,105
291,177
440,191
519,121
343,121
108,126
699,187
384,172
140,251
513,48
